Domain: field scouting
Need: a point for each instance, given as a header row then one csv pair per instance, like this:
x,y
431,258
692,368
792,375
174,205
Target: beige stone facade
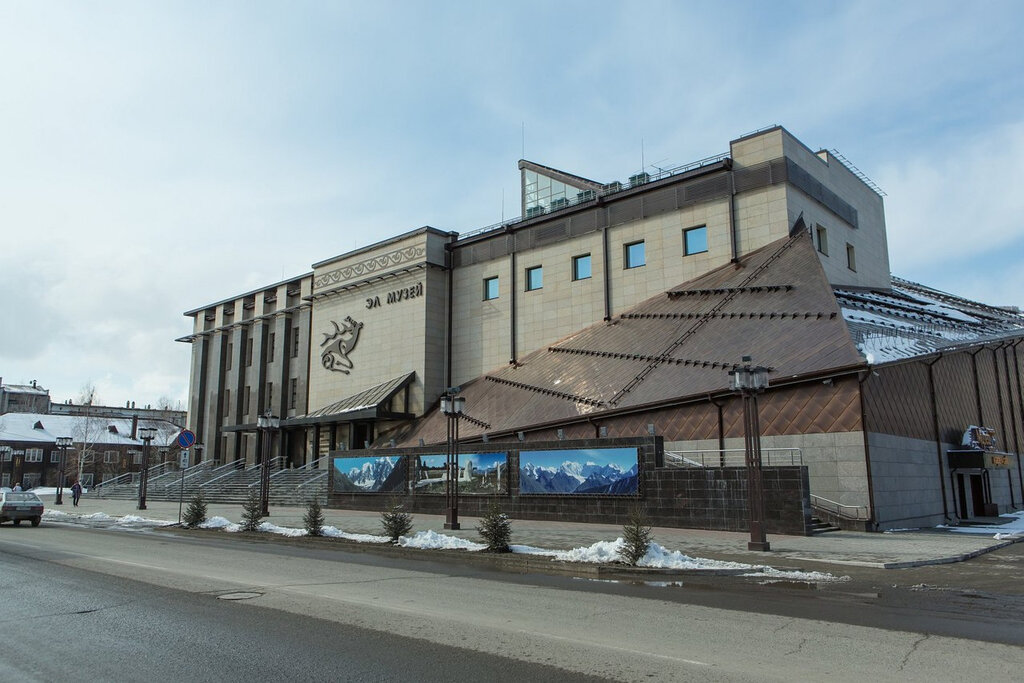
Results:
x,y
330,351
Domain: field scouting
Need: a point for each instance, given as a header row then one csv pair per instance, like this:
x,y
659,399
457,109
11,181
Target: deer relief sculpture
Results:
x,y
342,341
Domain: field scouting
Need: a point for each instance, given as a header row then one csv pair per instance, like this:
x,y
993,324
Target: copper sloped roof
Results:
x,y
367,403
911,320
776,305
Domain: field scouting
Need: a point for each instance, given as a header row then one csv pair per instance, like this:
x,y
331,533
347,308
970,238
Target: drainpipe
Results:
x,y
733,247
512,304
938,436
721,430
1002,416
1020,402
977,385
607,276
862,379
449,264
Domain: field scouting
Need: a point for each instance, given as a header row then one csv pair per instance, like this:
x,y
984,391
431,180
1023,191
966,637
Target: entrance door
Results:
x,y
978,495
362,434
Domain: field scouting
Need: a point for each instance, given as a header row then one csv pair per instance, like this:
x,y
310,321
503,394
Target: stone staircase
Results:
x,y
820,526
229,483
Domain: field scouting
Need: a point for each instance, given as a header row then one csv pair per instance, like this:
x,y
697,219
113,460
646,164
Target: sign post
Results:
x,y
185,440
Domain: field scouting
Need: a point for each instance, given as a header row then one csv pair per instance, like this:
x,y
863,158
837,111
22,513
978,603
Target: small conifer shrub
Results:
x,y
314,518
637,536
195,513
496,530
252,512
396,523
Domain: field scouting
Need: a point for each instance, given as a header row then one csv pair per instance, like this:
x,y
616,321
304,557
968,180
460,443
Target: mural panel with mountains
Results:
x,y
381,474
611,471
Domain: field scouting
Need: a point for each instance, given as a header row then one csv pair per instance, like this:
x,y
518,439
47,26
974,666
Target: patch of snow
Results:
x,y
433,540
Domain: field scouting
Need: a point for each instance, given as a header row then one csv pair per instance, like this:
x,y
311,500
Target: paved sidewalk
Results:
x,y
879,550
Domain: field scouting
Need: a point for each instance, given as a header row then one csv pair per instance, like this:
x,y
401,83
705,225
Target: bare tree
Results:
x,y
88,431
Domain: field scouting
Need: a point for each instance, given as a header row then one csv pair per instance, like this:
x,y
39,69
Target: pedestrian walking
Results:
x,y
76,493
17,487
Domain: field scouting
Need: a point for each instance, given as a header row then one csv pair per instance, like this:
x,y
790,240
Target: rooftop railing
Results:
x,y
585,196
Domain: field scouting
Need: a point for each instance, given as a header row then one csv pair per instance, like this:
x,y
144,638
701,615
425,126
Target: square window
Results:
x,y
110,457
490,288
695,240
851,258
634,255
822,239
534,278
581,267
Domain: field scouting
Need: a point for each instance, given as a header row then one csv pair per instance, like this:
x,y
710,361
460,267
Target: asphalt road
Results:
x,y
306,604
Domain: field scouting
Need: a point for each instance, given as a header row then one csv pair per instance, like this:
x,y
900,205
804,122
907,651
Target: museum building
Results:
x,y
615,310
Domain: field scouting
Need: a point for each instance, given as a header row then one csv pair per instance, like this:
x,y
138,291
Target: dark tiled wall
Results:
x,y
673,497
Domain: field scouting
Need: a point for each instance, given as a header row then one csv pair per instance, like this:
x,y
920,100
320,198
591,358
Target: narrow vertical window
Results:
x,y
851,258
581,267
294,393
231,353
534,278
271,344
634,256
822,239
248,352
490,288
295,342
270,396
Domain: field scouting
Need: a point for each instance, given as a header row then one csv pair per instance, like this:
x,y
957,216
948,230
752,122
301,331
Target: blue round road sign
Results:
x,y
186,439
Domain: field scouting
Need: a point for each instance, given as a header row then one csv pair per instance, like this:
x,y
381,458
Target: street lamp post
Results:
x,y
63,444
452,406
147,434
267,424
749,382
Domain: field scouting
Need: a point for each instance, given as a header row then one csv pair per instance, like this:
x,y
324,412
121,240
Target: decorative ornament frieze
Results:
x,y
369,266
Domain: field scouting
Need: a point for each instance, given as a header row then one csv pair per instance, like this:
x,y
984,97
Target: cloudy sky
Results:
x,y
159,156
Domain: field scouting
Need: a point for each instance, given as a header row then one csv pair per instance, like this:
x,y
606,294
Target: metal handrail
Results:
x,y
279,459
234,468
316,477
860,512
190,472
110,482
733,457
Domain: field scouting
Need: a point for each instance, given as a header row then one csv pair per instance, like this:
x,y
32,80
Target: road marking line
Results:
x,y
590,643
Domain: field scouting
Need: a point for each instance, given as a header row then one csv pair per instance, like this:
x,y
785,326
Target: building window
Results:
x,y
246,399
33,455
248,352
534,278
293,398
7,455
227,402
295,342
110,457
271,344
695,240
581,267
822,239
490,288
55,455
136,457
231,353
851,258
270,395
634,255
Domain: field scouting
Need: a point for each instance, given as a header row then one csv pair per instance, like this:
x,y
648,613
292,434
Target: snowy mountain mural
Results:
x,y
369,475
603,471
